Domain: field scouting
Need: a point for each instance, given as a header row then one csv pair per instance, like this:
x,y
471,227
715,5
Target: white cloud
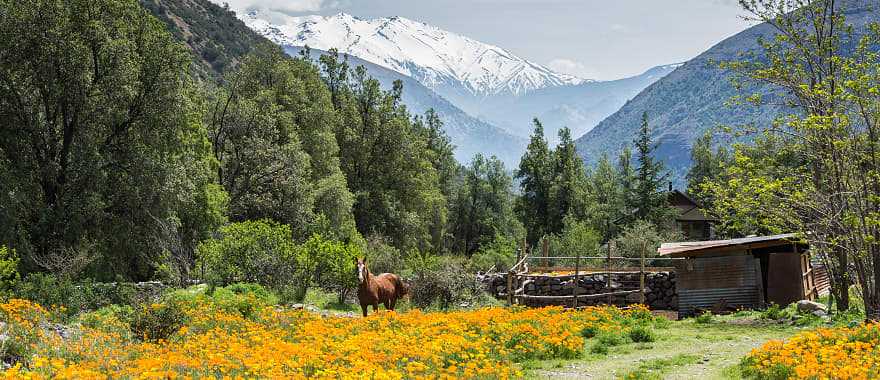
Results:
x,y
567,66
283,6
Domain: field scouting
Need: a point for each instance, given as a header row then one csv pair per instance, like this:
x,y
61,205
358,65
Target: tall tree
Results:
x,y
707,165
483,206
830,78
604,197
385,158
649,195
442,157
96,125
535,174
627,183
567,184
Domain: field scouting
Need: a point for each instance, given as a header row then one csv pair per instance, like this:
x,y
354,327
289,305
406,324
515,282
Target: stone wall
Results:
x,y
659,287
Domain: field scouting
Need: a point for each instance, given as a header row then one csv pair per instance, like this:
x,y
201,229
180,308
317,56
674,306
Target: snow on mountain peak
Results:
x,y
433,56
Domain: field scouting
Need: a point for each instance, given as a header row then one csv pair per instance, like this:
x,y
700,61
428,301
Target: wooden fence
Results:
x,y
521,270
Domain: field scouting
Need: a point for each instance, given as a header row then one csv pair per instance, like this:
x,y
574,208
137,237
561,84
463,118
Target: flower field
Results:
x,y
824,353
274,342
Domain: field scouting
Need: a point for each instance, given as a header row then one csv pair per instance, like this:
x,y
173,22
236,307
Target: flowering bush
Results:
x,y
287,343
838,353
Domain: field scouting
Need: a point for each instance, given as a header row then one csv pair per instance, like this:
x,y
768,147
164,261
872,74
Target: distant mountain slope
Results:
x,y
691,100
218,40
215,36
471,136
578,107
437,58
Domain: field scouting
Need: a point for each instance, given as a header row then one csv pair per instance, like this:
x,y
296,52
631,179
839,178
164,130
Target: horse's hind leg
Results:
x,y
393,302
364,309
376,307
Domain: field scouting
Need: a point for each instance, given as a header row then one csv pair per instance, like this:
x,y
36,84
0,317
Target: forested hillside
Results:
x,y
216,37
697,98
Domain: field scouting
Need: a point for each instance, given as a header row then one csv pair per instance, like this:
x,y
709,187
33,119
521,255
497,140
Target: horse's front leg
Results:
x,y
364,309
388,305
393,302
376,307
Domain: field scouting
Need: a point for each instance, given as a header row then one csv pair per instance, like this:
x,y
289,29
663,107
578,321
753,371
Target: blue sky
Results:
x,y
593,39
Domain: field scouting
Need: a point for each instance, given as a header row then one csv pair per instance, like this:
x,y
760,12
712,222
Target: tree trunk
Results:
x,y
840,288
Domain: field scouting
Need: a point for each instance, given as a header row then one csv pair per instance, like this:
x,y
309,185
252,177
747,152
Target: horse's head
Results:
x,y
362,272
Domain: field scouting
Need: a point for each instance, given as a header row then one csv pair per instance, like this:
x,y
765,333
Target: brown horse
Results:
x,y
385,288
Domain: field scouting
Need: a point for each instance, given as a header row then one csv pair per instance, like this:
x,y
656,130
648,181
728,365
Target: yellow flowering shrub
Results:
x,y
285,343
824,353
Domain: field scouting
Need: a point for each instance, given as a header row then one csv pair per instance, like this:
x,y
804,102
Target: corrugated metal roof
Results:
x,y
688,248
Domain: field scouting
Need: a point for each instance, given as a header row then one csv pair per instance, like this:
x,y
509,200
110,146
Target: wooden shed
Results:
x,y
749,272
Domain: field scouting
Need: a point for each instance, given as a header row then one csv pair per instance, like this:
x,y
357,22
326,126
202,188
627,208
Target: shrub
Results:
x,y
704,318
244,299
8,269
775,313
334,263
610,338
383,257
442,282
641,334
259,252
47,290
500,254
599,348
113,318
157,321
589,331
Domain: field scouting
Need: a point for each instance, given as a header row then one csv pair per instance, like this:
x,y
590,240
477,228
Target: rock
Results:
x,y
820,313
805,306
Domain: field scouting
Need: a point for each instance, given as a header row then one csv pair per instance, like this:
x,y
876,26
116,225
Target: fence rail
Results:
x,y
521,271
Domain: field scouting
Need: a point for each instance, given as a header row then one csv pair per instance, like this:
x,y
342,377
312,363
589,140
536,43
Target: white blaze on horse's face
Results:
x,y
362,271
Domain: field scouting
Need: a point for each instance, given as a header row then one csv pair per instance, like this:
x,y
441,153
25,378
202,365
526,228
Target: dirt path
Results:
x,y
684,350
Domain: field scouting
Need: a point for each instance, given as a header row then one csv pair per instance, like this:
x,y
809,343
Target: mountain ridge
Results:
x,y
694,98
433,56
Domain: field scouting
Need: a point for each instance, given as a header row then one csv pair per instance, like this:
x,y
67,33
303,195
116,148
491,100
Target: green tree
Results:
x,y
648,193
605,198
483,206
535,175
707,164
385,159
627,183
259,251
566,189
830,79
95,116
441,153
273,131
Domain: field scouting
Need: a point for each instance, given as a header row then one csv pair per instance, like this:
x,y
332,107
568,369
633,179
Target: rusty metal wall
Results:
x,y
821,279
705,282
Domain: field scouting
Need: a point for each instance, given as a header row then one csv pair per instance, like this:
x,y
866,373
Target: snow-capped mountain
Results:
x,y
451,64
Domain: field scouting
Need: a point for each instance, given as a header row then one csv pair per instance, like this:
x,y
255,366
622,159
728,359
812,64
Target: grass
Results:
x,y
681,350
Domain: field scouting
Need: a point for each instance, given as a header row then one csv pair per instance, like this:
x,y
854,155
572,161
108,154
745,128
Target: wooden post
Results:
x,y
545,250
577,278
608,275
642,277
760,280
510,275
